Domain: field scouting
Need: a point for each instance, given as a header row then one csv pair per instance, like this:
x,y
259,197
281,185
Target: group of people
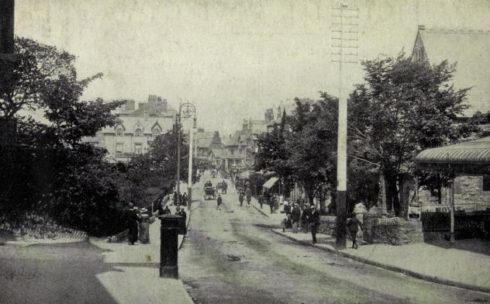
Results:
x,y
308,219
268,199
183,198
138,221
245,194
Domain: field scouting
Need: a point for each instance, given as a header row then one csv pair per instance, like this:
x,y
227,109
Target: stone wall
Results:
x,y
394,231
327,225
468,195
380,230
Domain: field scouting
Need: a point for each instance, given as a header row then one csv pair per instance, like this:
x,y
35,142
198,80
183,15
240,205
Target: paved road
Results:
x,y
230,256
64,273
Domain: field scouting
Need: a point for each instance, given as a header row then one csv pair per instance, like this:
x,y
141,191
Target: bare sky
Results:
x,y
233,59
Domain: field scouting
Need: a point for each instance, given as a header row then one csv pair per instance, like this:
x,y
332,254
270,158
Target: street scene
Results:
x,y
244,151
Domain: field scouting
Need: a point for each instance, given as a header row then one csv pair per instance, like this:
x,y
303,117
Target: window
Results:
x,y
119,147
138,148
486,182
119,131
156,131
138,132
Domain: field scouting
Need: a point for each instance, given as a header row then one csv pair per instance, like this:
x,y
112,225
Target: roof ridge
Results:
x,y
441,30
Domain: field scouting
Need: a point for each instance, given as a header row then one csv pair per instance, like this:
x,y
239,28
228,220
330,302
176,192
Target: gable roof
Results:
x,y
469,50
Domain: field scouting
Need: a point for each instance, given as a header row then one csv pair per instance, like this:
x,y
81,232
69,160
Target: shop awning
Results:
x,y
472,157
270,182
475,152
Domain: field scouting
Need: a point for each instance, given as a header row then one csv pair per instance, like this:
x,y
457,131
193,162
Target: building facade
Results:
x,y
136,129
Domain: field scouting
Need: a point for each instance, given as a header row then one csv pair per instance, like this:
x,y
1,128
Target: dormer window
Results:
x,y
138,132
156,131
119,130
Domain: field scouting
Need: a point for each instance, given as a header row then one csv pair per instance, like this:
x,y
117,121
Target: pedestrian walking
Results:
x,y
272,203
353,227
240,198
305,218
295,217
249,196
219,201
314,220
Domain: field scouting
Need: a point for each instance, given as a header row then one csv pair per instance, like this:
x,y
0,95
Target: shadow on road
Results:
x,y
61,273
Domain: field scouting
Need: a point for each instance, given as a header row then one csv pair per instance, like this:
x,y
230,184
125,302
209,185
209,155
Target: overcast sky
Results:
x,y
233,59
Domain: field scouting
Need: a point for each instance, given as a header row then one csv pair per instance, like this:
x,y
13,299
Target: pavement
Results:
x,y
137,268
465,265
435,263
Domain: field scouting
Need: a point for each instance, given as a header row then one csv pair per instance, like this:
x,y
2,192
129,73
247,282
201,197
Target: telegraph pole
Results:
x,y
177,199
187,109
345,50
189,174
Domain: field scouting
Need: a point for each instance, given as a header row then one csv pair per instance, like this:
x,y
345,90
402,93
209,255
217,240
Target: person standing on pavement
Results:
x,y
314,222
353,227
132,223
295,217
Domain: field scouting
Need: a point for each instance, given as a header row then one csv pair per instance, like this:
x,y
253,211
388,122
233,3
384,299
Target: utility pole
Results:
x,y
345,50
189,174
187,109
177,127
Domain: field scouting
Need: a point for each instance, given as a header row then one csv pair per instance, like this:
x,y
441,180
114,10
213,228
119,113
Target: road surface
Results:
x,y
231,256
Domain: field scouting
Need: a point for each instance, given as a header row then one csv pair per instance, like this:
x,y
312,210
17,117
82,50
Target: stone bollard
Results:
x,y
171,227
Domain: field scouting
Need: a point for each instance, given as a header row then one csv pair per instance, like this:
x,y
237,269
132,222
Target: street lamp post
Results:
x,y
187,109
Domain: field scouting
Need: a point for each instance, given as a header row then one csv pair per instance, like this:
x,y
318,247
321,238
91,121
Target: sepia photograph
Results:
x,y
244,151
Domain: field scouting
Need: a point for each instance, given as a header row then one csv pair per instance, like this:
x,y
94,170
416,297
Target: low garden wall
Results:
x,y
381,230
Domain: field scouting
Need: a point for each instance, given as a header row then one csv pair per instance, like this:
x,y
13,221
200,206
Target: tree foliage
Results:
x,y
402,108
48,169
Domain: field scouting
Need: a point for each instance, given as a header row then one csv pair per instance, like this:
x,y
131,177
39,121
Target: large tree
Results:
x,y
402,108
313,144
48,168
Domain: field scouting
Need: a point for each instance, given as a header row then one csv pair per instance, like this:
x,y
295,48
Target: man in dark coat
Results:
x,y
353,226
314,220
295,217
132,223
249,196
219,201
305,218
240,198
